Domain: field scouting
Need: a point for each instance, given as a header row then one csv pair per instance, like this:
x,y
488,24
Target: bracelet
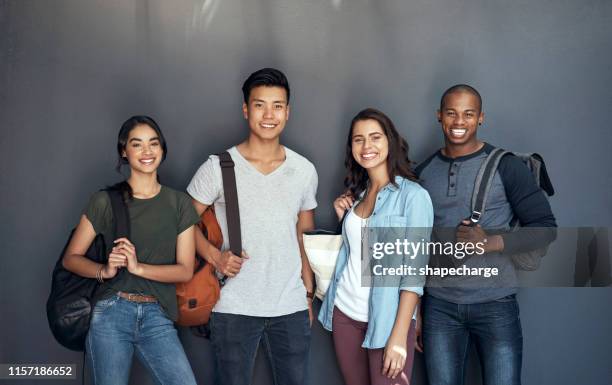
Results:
x,y
99,274
310,294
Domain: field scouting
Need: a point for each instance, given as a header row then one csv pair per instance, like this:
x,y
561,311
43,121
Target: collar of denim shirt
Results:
x,y
389,186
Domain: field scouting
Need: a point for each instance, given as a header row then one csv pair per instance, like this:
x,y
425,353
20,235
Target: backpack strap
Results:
x,y
484,180
121,216
231,203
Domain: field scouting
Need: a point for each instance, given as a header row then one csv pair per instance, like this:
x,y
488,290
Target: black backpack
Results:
x,y
70,302
529,260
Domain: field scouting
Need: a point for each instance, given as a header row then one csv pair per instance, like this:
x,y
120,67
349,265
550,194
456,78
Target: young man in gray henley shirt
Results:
x,y
459,310
268,296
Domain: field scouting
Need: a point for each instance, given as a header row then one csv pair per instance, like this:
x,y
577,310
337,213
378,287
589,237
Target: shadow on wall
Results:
x,y
593,257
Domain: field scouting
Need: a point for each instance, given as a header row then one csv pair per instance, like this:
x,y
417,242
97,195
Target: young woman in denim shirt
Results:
x,y
136,302
373,327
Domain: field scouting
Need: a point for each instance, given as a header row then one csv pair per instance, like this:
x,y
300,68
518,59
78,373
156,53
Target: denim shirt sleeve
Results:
x,y
419,212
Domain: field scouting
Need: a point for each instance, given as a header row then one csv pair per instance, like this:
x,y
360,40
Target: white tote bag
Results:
x,y
322,249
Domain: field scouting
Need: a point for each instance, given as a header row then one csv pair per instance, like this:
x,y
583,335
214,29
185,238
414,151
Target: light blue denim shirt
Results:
x,y
405,205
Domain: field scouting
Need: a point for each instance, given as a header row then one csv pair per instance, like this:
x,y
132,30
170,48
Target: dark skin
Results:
x,y
460,117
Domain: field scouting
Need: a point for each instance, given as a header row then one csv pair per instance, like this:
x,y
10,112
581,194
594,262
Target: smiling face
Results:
x,y
369,144
460,117
267,112
143,149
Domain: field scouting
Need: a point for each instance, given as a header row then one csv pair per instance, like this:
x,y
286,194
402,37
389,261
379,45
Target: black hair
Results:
x,y
268,77
122,140
461,88
398,162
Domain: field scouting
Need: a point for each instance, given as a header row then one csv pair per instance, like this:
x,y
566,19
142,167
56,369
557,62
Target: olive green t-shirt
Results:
x,y
155,224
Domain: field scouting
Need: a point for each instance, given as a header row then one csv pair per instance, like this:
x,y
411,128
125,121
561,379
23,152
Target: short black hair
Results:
x,y
268,77
461,88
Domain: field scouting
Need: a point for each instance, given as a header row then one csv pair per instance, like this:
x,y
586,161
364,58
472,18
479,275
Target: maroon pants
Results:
x,y
361,366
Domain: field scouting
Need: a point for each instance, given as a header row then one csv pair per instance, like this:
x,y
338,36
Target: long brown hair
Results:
x,y
398,163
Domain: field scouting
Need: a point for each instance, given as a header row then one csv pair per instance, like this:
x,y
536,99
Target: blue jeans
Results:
x,y
119,327
235,339
494,328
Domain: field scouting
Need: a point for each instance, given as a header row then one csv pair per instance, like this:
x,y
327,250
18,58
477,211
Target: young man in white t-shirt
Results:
x,y
268,296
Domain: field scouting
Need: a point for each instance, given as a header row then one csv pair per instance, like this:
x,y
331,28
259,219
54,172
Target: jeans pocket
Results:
x,y
503,309
508,298
104,304
163,311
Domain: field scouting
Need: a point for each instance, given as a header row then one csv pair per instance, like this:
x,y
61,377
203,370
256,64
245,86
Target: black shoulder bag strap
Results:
x,y
232,211
121,216
484,180
121,228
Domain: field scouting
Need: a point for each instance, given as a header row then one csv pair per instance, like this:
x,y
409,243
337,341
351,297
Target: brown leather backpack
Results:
x,y
197,297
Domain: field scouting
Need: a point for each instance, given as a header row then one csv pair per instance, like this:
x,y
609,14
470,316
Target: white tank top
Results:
x,y
351,298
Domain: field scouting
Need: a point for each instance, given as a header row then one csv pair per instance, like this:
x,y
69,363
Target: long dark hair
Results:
x,y
122,140
398,163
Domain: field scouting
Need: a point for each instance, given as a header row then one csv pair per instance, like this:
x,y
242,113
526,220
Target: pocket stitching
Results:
x,y
106,304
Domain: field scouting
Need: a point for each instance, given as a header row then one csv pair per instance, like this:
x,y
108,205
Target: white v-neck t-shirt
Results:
x,y
269,283
351,298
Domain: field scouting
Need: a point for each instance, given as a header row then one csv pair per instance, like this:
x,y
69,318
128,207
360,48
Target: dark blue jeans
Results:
x,y
119,328
494,328
235,339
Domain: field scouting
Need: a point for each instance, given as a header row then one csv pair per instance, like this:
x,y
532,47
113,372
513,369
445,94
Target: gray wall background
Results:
x,y
72,71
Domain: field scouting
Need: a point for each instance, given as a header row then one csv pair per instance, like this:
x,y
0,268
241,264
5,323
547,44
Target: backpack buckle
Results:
x,y
226,163
475,217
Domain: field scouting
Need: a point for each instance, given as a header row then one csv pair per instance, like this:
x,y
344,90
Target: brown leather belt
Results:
x,y
136,297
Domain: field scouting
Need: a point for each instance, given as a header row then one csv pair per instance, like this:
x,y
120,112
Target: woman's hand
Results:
x,y
115,262
124,247
343,203
394,357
